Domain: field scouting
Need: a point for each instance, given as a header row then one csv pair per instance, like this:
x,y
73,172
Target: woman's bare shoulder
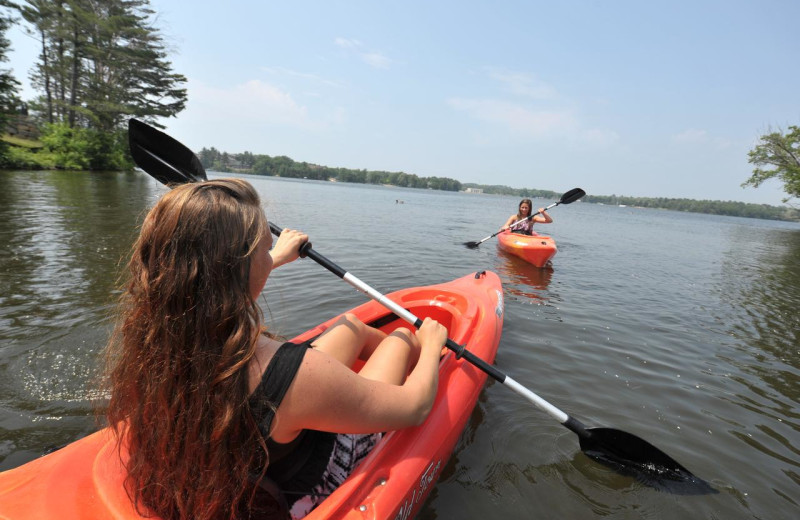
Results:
x,y
265,349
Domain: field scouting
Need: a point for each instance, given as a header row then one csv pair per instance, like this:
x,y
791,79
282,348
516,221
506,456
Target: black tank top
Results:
x,y
296,466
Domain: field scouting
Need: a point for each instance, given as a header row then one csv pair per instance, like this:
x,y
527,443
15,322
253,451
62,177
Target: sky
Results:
x,y
638,98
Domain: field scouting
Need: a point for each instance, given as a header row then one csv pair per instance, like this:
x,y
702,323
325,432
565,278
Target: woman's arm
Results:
x,y
326,395
542,217
511,220
287,247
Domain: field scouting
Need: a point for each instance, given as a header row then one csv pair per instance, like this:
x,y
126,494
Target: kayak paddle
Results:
x,y
567,198
171,163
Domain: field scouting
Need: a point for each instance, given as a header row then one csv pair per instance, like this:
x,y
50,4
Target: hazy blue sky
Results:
x,y
642,98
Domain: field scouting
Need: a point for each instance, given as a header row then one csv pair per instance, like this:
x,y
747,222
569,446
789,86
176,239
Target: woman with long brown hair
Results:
x,y
523,212
207,404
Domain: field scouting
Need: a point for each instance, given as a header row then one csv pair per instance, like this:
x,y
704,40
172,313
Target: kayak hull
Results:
x,y
84,479
534,249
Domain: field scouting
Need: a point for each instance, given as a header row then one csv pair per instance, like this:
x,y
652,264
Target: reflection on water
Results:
x,y
65,234
767,302
759,291
522,279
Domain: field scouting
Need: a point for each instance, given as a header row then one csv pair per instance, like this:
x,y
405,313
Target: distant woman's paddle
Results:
x,y
567,198
172,163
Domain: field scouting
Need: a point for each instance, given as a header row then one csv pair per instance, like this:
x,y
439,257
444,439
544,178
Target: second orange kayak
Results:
x,y
534,249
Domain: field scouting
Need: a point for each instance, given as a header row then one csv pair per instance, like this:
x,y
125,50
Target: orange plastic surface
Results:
x,y
534,249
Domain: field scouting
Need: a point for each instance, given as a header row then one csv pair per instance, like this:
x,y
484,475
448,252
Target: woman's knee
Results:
x,y
406,335
351,321
354,321
404,332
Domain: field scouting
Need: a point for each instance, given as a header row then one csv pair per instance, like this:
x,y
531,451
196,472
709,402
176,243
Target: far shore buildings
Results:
x,y
473,190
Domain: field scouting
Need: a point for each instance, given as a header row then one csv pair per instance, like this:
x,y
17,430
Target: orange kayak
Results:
x,y
84,479
534,249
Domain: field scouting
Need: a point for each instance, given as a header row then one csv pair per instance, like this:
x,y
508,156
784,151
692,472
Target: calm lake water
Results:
x,y
679,328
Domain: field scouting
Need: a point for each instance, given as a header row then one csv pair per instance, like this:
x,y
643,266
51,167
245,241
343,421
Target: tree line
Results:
x,y
282,166
711,207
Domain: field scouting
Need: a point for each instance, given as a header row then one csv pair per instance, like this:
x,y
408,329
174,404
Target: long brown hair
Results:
x,y
178,359
520,216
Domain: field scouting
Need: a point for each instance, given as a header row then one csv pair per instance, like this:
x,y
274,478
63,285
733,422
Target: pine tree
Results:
x,y
8,87
102,61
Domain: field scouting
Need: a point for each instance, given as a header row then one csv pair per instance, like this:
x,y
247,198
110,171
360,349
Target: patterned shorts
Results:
x,y
348,451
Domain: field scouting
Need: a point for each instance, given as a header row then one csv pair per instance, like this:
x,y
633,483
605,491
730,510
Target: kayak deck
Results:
x,y
534,249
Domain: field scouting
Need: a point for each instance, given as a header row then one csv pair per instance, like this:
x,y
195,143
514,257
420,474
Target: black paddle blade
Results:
x,y
571,196
629,455
472,245
161,156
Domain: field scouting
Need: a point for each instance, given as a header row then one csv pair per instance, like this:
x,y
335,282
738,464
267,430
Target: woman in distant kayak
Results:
x,y
211,407
526,227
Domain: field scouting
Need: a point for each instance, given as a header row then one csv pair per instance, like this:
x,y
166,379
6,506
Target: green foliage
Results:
x,y
84,148
69,146
19,141
282,166
24,158
712,207
515,192
781,151
108,150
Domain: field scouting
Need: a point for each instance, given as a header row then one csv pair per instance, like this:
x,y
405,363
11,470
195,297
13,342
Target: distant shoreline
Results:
x,y
707,207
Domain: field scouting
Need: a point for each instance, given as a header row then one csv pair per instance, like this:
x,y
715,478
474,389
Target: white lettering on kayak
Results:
x,y
421,491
